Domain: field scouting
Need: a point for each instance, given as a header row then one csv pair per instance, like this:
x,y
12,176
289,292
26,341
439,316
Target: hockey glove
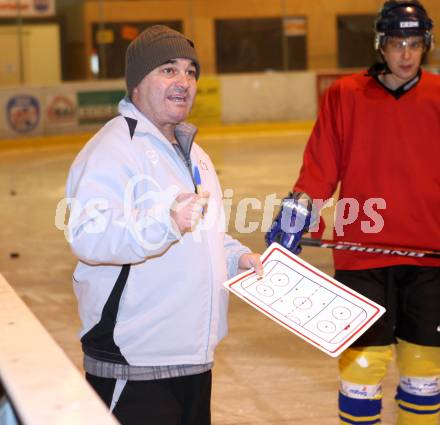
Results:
x,y
294,218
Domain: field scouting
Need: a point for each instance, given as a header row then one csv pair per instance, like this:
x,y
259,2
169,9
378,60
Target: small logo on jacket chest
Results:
x,y
152,156
203,165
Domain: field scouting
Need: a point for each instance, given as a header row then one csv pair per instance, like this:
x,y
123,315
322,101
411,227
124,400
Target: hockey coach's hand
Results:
x,y
294,218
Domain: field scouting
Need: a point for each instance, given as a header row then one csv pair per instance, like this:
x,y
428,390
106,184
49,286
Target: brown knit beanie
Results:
x,y
152,48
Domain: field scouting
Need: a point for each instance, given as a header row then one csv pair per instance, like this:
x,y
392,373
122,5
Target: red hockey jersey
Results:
x,y
385,153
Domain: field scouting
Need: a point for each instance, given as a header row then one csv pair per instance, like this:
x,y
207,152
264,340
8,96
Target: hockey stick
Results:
x,y
371,249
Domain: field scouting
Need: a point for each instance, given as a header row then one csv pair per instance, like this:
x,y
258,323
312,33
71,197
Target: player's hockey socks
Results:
x,y
418,404
359,411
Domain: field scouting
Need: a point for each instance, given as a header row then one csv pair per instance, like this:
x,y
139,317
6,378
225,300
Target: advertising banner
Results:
x,y
23,112
207,106
325,80
27,8
97,107
60,110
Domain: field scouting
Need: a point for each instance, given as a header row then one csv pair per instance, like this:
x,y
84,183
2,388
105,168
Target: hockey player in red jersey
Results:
x,y
378,136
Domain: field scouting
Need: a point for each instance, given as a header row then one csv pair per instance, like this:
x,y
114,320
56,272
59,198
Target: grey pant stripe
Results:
x,y
119,387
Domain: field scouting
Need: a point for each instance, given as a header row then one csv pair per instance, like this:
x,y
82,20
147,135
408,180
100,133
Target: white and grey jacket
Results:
x,y
147,295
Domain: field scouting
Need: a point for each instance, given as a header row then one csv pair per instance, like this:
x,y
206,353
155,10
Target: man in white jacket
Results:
x,y
147,224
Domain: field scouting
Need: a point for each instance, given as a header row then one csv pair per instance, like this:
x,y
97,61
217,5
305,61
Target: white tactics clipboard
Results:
x,y
306,301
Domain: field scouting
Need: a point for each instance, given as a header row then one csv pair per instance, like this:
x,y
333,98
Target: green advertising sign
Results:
x,y
97,107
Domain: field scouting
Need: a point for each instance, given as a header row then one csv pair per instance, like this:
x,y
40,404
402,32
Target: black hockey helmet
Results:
x,y
403,19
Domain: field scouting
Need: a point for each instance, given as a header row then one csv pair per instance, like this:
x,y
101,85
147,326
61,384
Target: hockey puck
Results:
x,y
14,255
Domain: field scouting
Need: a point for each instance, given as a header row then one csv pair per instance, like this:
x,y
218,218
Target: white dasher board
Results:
x,y
306,301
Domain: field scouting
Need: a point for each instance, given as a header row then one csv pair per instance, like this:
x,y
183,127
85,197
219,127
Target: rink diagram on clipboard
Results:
x,y
306,301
